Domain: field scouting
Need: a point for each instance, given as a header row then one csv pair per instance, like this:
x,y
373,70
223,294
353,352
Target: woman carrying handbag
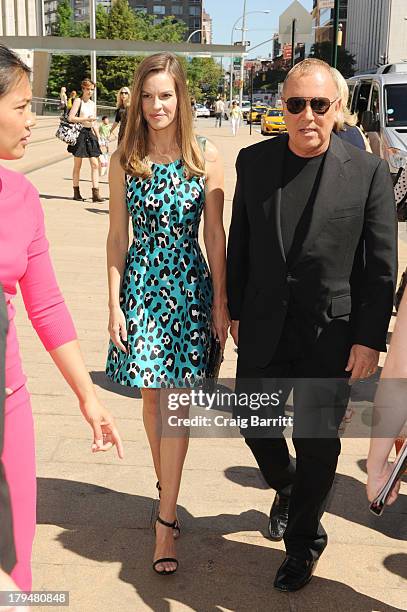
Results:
x,y
83,111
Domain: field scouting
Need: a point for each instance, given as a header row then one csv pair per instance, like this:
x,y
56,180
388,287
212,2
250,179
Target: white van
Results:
x,y
381,103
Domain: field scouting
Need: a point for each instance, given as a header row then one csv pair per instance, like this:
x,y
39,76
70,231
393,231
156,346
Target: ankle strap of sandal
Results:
x,y
166,524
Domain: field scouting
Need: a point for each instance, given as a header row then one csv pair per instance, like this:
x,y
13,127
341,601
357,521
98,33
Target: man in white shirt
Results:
x,y
219,111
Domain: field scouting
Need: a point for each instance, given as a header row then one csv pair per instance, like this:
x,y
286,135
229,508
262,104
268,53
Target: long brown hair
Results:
x,y
134,147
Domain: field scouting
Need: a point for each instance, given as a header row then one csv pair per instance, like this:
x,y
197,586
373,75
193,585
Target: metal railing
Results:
x,y
52,107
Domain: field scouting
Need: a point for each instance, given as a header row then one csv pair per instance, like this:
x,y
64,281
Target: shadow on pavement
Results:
x,y
215,572
397,564
347,500
101,380
97,211
47,196
246,477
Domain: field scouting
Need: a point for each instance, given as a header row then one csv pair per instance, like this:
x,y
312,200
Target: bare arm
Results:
x,y
215,241
390,409
117,247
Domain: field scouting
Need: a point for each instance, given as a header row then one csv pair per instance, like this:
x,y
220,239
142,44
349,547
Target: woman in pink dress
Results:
x,y
24,259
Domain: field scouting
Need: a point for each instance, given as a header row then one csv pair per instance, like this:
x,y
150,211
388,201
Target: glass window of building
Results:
x,y
195,11
159,9
194,23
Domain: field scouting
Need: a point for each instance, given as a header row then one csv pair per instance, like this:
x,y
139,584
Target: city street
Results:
x,y
95,513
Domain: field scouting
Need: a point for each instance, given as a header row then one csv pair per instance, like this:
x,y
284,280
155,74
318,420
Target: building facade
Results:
x,y
20,18
377,32
206,28
188,11
80,11
323,19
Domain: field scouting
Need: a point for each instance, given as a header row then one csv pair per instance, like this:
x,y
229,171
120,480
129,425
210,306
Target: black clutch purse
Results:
x,y
215,359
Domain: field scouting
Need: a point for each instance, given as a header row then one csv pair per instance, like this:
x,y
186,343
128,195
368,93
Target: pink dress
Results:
x,y
24,259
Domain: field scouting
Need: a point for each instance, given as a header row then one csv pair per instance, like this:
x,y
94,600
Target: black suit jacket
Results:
x,y
7,553
346,266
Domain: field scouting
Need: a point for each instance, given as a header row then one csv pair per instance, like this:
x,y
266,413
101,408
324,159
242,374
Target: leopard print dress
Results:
x,y
166,294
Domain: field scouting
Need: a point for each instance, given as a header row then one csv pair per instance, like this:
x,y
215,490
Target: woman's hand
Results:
x,y
7,584
220,321
117,327
105,434
376,478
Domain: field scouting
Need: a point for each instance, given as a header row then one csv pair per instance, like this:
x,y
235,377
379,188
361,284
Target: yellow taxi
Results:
x,y
272,122
256,113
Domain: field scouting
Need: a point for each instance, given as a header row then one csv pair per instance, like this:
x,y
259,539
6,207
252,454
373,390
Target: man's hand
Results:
x,y
362,362
234,331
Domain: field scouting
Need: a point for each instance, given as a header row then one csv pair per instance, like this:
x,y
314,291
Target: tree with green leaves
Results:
x,y
346,61
67,70
204,77
124,23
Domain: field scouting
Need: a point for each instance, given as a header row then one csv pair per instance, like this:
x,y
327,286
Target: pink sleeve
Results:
x,y
43,300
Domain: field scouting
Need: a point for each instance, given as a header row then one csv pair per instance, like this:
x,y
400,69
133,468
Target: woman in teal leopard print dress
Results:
x,y
164,303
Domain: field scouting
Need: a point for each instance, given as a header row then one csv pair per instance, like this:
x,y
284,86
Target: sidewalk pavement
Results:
x,y
95,513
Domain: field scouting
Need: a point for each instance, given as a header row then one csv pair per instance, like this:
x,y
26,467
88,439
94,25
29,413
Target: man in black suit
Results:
x,y
7,552
311,274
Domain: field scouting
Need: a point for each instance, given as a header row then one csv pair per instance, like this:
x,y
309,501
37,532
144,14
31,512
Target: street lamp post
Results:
x,y
265,12
92,33
335,35
242,58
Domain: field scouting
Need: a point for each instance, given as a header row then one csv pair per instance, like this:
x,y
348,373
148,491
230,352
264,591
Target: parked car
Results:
x,y
245,108
273,122
254,116
380,102
202,111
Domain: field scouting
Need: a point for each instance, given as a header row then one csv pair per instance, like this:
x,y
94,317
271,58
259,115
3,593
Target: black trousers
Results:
x,y
7,552
314,369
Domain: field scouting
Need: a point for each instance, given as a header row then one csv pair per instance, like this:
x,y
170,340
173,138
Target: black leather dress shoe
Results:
x,y
278,517
294,573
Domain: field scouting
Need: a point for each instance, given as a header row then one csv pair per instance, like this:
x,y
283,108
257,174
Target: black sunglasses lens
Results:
x,y
320,105
296,105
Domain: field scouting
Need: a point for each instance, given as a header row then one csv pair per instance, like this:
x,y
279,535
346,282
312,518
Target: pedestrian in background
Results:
x,y
104,132
87,146
346,123
219,111
63,99
122,104
25,260
165,305
193,109
236,116
71,99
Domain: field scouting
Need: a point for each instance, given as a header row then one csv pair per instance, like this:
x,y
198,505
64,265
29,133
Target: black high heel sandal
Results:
x,y
177,526
165,572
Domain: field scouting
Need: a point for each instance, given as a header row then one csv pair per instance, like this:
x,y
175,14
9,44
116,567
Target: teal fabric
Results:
x,y
166,293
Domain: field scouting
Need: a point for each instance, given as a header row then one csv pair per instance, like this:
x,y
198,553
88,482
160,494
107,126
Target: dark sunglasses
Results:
x,y
124,93
320,106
